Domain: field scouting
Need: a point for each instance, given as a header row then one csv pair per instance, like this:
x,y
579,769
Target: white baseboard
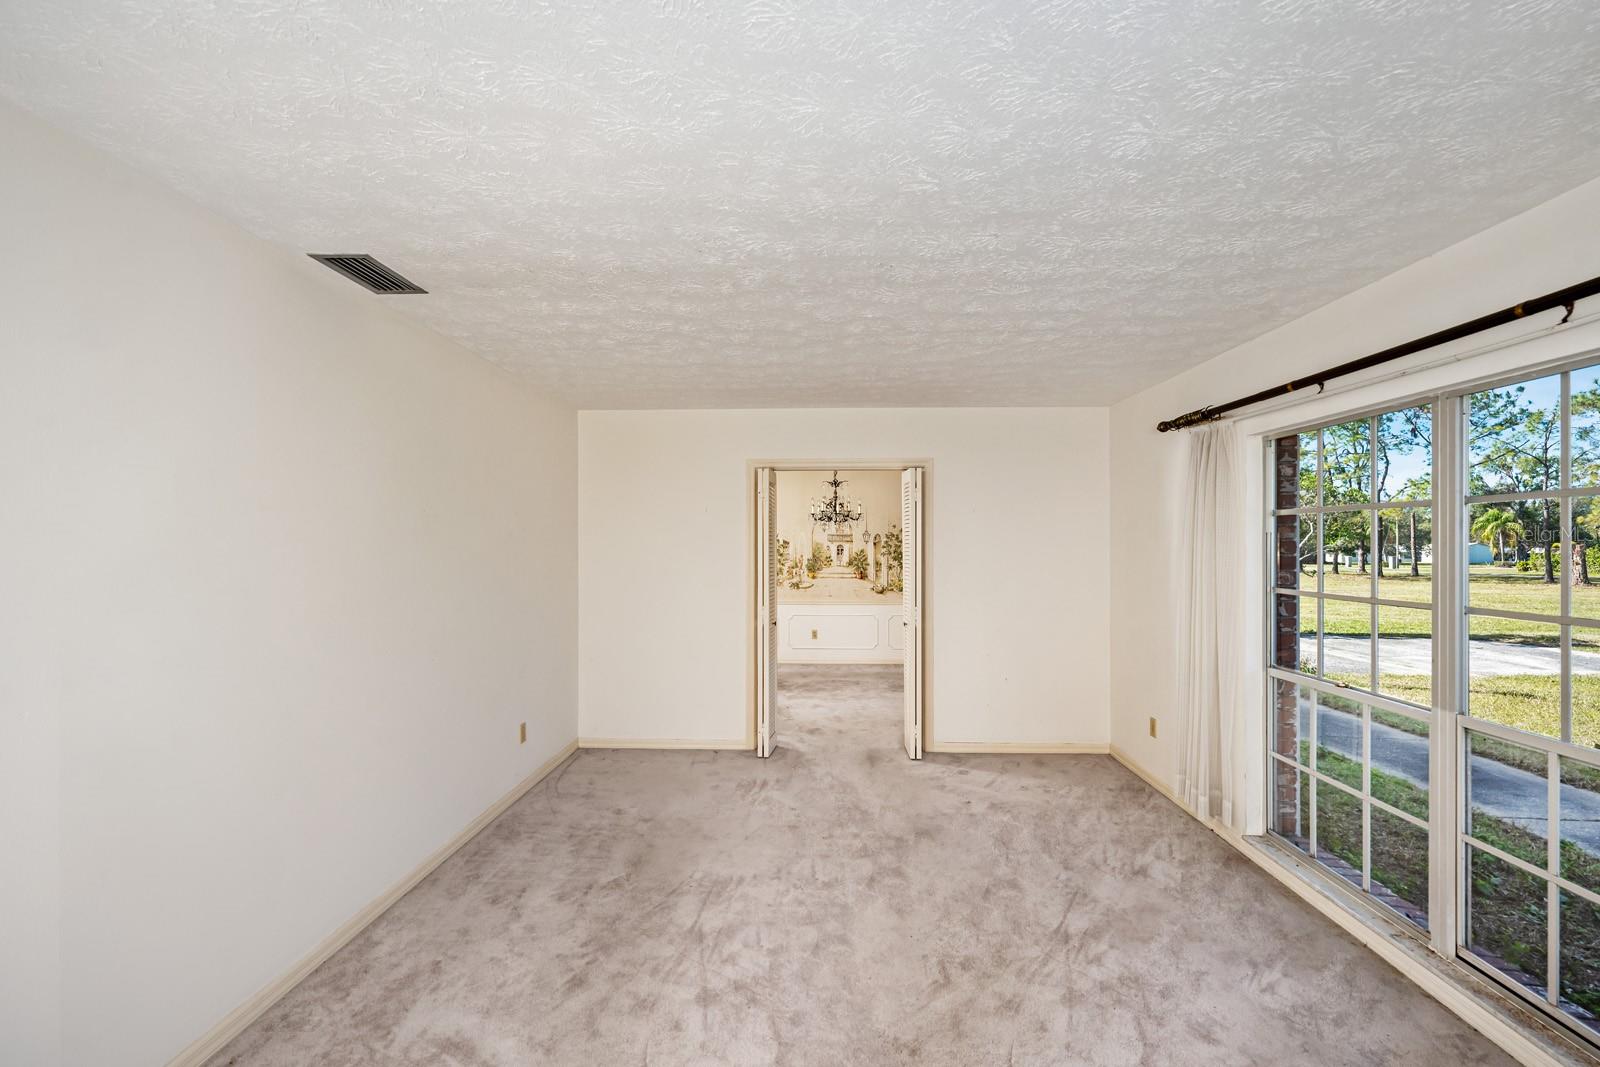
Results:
x,y
1018,748
665,743
1150,779
1470,997
235,1021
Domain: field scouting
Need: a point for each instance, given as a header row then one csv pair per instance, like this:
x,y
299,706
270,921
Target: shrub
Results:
x,y
858,563
818,561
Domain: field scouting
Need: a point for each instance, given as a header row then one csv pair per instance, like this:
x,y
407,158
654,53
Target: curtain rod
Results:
x,y
1561,298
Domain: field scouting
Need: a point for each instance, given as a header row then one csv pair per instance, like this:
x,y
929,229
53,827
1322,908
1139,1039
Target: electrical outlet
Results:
x,y
522,733
1152,726
813,635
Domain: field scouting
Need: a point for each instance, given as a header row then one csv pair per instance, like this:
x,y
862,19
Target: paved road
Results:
x,y
1414,655
1507,792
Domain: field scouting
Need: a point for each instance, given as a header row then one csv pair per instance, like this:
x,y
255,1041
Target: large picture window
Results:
x,y
1530,830
1352,670
1364,702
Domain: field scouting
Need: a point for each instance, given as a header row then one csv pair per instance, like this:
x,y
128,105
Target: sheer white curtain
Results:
x,y
1210,620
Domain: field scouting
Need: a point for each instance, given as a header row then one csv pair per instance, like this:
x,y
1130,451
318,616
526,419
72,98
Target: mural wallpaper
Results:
x,y
839,536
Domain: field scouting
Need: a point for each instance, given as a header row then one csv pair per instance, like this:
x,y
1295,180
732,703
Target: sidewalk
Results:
x,y
1509,793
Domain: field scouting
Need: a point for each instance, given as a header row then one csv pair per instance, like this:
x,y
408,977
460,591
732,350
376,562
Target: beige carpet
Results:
x,y
839,904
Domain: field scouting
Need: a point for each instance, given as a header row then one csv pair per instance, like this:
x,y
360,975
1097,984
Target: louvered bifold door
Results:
x,y
766,620
911,603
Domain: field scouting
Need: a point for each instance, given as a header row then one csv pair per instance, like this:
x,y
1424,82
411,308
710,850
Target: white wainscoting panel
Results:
x,y
839,633
897,632
834,633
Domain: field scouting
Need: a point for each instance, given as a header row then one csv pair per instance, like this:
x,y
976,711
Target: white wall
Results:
x,y
282,573
1548,248
1017,585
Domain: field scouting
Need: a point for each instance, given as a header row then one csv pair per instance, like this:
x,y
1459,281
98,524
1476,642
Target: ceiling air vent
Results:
x,y
369,272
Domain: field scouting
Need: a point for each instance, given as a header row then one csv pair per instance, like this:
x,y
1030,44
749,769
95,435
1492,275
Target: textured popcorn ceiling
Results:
x,y
786,203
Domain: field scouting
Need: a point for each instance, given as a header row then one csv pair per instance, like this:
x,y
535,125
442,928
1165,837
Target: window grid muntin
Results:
x,y
1386,505
1387,602
1377,700
1528,868
1364,797
1372,506
1565,496
1554,884
1580,621
1367,799
1315,777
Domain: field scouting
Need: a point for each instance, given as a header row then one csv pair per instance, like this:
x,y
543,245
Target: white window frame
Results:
x,y
1554,748
1450,721
1369,698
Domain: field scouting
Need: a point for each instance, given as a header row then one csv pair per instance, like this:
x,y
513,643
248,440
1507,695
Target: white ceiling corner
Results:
x,y
774,203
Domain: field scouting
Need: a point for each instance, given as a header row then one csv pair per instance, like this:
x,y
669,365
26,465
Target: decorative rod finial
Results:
x,y
1188,419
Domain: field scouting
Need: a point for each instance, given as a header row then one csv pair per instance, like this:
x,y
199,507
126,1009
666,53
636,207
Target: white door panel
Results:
x,y
766,620
911,603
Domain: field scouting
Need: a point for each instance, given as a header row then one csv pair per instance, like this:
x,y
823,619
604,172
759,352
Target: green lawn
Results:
x,y
1529,702
1508,905
1493,587
1508,915
1523,701
1572,772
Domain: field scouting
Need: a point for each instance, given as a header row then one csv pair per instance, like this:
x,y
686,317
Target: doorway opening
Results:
x,y
839,605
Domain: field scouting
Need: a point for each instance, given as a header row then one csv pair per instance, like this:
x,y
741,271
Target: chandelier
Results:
x,y
833,511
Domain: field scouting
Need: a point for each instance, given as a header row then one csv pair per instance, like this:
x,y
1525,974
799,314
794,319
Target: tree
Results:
x,y
1401,435
1585,470
788,568
818,561
1411,516
1585,460
792,567
1585,527
1410,520
1500,526
1347,479
892,553
1515,447
1347,533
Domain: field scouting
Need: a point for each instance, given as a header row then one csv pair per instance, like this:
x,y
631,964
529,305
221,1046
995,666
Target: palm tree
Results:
x,y
1500,526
